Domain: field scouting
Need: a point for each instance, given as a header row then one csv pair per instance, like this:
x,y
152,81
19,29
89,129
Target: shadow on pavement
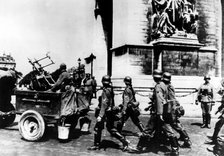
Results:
x,y
109,144
129,133
196,124
154,146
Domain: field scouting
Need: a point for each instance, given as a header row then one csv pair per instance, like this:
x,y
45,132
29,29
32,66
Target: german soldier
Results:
x,y
172,106
129,106
206,96
89,85
220,110
106,115
64,80
158,120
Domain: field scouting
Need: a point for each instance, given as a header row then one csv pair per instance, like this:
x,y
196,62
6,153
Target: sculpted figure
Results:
x,y
172,15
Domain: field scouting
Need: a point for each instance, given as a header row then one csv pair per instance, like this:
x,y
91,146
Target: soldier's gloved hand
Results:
x,y
98,119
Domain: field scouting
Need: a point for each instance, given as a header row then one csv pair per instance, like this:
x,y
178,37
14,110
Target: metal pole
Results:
x,y
91,68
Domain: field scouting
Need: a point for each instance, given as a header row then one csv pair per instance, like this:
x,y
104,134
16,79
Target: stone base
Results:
x,y
179,39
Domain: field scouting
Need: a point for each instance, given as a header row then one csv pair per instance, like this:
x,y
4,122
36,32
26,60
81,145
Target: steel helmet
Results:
x,y
157,73
88,75
128,80
63,66
106,79
207,77
167,76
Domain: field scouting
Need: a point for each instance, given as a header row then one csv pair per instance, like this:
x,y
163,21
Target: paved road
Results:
x,y
11,143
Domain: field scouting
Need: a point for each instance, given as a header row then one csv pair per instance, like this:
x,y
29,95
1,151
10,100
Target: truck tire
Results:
x,y
31,125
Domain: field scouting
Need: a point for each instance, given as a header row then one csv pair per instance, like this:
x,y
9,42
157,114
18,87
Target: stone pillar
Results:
x,y
218,8
209,27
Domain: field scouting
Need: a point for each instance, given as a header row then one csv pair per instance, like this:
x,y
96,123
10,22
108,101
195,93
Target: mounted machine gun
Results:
x,y
38,79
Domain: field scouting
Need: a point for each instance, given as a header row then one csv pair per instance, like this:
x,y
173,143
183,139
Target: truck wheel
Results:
x,y
31,125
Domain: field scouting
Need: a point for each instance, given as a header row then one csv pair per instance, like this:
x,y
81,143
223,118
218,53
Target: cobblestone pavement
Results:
x,y
12,145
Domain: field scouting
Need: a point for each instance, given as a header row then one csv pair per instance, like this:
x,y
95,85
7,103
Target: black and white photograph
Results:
x,y
111,77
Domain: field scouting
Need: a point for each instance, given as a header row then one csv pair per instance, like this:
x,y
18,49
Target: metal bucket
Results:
x,y
63,132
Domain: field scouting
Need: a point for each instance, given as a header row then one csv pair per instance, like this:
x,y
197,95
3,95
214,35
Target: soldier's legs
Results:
x,y
217,128
209,115
147,133
167,129
151,125
207,108
136,121
113,131
97,135
203,115
183,134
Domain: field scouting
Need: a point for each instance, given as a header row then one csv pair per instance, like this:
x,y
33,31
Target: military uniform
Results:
x,y
89,85
106,115
175,122
205,96
130,106
158,120
220,122
63,81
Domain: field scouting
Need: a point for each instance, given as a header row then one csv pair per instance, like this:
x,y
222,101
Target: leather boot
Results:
x,y
96,145
204,121
187,143
215,135
121,139
186,139
208,121
183,135
174,146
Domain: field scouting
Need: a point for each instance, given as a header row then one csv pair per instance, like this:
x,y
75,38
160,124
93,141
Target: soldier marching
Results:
x,y
165,109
